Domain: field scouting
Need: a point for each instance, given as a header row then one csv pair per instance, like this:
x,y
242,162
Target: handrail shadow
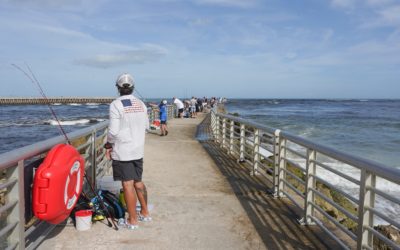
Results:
x,y
274,219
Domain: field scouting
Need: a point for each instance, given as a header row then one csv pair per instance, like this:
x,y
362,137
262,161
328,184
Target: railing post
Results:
x,y
217,129
94,157
242,141
153,110
256,151
231,136
172,109
276,163
223,133
282,166
310,184
212,123
17,213
365,217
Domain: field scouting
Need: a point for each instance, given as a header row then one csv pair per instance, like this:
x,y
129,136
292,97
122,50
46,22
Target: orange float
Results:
x,y
58,184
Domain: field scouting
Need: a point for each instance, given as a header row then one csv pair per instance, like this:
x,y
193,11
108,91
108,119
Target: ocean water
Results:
x,y
22,125
366,128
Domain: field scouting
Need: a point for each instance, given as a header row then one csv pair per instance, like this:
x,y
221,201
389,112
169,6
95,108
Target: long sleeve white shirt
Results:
x,y
179,103
127,128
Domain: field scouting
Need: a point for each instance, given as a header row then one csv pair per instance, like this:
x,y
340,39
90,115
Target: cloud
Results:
x,y
327,35
343,3
387,16
379,2
66,5
291,55
228,3
391,15
147,54
200,22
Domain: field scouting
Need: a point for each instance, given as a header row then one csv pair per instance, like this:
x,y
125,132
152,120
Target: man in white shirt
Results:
x,y
179,106
193,103
125,146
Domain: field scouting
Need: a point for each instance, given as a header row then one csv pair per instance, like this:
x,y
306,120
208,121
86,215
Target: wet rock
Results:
x,y
390,232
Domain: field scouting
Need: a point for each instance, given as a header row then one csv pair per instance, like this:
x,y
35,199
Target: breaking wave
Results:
x,y
73,122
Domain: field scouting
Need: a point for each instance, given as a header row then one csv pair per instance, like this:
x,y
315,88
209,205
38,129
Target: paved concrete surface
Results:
x,y
202,199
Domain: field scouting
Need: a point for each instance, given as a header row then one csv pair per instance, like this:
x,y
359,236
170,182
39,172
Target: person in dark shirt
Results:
x,y
163,117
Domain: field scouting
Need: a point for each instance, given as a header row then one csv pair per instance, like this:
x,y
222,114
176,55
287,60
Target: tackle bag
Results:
x,y
112,204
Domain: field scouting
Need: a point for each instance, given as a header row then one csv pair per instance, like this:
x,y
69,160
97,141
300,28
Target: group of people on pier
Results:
x,y
190,107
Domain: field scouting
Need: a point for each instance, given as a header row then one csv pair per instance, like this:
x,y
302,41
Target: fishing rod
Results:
x,y
137,91
34,80
44,97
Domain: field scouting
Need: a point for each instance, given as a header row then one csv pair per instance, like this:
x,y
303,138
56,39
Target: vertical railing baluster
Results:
x,y
17,213
218,127
310,184
365,217
276,163
212,123
21,203
223,133
242,141
256,151
282,166
231,137
94,156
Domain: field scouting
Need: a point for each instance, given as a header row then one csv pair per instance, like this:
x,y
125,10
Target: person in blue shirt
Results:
x,y
163,117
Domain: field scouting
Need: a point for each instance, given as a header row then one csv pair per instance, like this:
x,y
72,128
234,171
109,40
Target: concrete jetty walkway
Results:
x,y
202,199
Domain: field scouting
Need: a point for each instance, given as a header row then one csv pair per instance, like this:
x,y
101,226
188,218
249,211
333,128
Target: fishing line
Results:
x,y
34,80
137,91
37,84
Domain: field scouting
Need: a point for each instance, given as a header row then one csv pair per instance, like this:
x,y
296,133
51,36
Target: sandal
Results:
x,y
124,223
121,222
144,218
131,226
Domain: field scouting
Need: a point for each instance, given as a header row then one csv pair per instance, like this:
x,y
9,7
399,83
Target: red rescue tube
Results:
x,y
58,184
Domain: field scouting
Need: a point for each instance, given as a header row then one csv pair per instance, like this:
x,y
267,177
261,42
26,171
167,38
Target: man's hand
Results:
x,y
108,153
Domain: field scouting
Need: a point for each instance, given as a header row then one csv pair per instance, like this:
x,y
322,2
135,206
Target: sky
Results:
x,y
229,48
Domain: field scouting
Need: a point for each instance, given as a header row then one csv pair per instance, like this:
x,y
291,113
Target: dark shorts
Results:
x,y
163,122
127,170
180,111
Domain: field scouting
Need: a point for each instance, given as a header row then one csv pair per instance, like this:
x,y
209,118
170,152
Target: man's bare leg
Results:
x,y
162,129
130,199
142,196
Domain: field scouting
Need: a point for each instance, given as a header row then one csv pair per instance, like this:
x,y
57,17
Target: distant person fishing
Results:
x,y
163,113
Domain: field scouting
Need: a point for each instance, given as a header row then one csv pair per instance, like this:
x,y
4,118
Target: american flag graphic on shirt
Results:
x,y
132,106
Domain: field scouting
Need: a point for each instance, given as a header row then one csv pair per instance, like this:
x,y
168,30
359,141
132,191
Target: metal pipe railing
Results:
x,y
295,159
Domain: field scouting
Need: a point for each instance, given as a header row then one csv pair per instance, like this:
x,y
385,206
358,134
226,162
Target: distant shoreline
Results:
x,y
52,100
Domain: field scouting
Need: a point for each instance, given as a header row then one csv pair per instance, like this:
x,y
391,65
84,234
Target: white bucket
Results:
x,y
108,183
83,220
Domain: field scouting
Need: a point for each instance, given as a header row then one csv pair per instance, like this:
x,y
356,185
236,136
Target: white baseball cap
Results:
x,y
164,101
125,80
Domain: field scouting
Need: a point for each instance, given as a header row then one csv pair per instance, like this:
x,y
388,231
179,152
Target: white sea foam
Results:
x,y
381,204
92,104
56,104
75,104
68,123
74,122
